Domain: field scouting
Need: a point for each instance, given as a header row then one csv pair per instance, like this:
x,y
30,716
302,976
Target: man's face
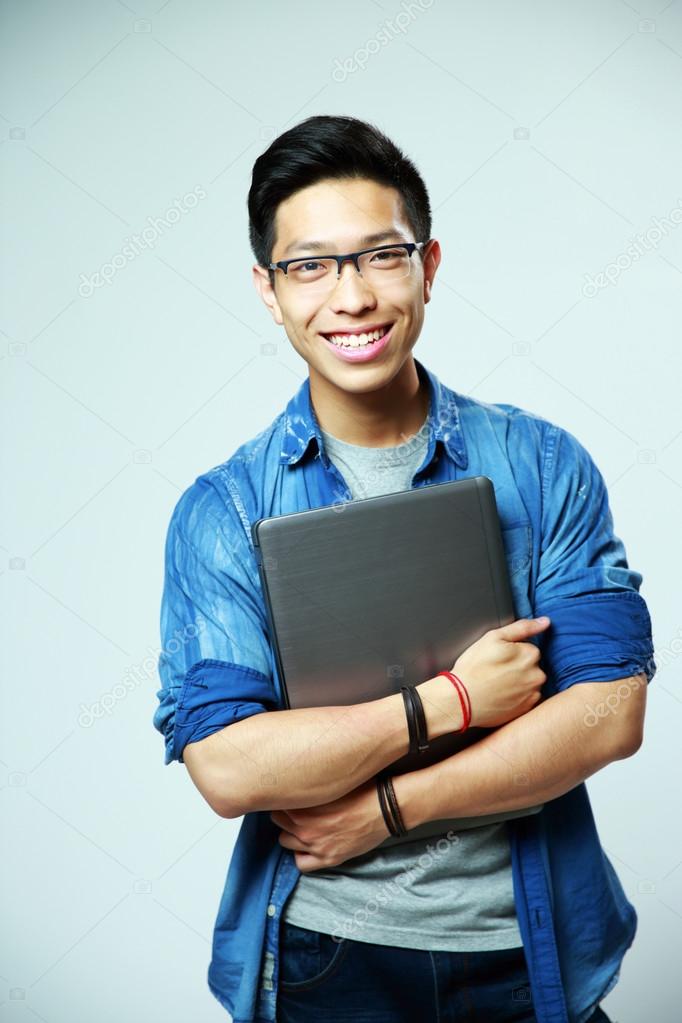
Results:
x,y
343,213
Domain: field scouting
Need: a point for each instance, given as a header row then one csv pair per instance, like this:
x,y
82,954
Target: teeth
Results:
x,y
357,340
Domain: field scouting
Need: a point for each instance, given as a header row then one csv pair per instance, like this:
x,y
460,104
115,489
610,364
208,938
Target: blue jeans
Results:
x,y
347,980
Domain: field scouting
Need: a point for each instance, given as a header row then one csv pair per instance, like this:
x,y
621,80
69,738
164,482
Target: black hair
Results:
x,y
326,146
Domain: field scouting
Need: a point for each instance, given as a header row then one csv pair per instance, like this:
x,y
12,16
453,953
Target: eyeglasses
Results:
x,y
377,266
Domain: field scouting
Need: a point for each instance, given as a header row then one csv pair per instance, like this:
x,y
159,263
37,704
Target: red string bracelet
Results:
x,y
468,698
466,707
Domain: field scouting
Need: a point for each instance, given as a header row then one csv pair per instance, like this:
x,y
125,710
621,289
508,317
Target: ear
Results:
x,y
431,264
261,281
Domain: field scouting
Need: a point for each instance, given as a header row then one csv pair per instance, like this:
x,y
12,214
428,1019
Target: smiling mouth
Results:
x,y
349,340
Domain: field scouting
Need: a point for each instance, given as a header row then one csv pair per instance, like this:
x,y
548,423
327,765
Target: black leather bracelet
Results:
x,y
422,734
416,720
412,725
393,803
385,810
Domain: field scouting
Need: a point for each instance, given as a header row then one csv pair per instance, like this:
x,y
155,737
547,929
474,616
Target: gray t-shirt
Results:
x,y
450,893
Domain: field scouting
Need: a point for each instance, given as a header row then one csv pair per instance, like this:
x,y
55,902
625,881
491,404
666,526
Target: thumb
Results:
x,y
522,628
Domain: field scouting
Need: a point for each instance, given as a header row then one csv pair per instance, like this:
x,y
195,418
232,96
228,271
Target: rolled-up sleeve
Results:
x,y
215,662
600,624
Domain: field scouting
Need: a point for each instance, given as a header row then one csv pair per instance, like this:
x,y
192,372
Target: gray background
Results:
x,y
549,137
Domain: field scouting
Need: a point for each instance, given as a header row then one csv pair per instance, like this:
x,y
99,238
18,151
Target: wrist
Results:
x,y
415,792
442,706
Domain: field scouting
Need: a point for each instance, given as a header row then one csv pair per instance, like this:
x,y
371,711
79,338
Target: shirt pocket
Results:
x,y
517,540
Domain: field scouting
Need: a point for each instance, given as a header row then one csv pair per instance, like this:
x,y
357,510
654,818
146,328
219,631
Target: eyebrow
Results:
x,y
321,246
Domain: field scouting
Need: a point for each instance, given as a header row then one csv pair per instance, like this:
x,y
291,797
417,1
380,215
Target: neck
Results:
x,y
378,419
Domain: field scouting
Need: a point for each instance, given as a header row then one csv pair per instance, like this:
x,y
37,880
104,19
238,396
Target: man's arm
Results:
x,y
534,758
309,756
292,759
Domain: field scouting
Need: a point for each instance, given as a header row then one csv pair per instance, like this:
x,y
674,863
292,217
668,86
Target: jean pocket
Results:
x,y
306,957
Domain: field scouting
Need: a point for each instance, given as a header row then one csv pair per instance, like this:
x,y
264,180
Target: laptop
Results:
x,y
370,594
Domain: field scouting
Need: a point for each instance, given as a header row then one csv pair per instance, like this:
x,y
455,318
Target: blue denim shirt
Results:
x,y
217,666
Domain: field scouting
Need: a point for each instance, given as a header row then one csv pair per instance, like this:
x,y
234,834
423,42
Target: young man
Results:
x,y
519,921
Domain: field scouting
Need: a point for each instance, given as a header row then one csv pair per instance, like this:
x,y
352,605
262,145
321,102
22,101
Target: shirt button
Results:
x,y
272,909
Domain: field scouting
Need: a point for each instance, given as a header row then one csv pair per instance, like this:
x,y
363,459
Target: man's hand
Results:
x,y
502,673
326,835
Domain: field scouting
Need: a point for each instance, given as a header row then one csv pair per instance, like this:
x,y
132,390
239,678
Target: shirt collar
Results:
x,y
301,425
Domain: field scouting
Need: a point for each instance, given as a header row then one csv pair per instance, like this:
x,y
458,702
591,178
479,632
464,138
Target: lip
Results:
x,y
359,330
363,353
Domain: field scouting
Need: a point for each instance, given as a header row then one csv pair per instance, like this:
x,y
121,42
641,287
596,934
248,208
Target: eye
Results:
x,y
307,267
387,255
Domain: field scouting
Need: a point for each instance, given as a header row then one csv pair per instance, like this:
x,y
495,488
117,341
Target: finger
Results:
x,y
293,842
522,628
307,862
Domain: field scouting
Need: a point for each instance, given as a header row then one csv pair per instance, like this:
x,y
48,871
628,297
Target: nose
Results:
x,y
351,291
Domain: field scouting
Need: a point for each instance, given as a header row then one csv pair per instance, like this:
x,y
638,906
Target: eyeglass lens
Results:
x,y
377,268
